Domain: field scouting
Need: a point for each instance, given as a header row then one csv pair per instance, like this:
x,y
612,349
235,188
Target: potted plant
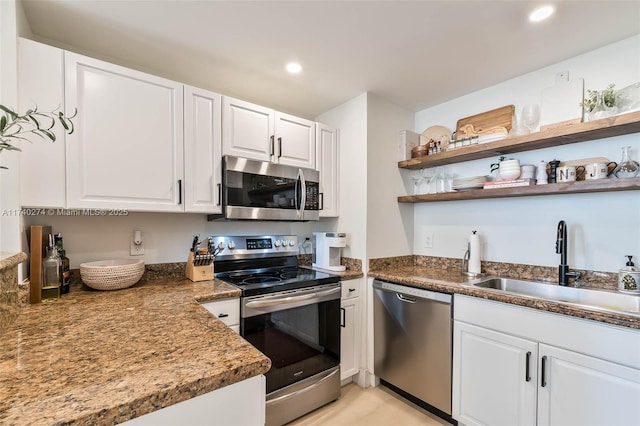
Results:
x,y
601,104
16,127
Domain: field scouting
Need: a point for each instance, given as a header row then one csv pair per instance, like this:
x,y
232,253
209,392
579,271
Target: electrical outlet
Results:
x,y
428,241
136,249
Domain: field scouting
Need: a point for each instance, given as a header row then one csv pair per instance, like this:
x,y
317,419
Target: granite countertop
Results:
x,y
105,357
349,274
451,281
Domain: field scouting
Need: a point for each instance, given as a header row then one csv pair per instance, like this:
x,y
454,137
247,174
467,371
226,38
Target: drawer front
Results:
x,y
350,288
227,311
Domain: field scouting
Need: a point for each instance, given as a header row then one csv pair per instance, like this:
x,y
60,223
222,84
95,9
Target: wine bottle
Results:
x,y
51,274
64,271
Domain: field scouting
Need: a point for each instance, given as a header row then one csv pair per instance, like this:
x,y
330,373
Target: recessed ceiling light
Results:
x,y
294,67
541,13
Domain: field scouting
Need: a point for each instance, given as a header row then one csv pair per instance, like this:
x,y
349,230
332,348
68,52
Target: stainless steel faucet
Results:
x,y
561,248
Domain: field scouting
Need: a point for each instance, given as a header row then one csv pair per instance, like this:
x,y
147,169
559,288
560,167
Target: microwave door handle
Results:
x,y
303,201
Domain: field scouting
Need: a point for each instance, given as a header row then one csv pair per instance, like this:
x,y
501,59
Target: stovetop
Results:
x,y
270,280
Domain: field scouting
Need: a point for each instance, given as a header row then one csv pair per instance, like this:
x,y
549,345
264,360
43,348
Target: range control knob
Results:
x,y
292,243
221,245
231,245
276,243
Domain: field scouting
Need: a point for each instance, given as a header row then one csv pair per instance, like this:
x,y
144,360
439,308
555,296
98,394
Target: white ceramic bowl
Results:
x,y
113,274
512,162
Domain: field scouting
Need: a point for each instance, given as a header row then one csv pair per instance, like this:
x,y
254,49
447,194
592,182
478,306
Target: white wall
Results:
x,y
351,119
389,224
603,227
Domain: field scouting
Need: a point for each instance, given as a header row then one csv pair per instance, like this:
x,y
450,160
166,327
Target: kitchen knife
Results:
x,y
194,245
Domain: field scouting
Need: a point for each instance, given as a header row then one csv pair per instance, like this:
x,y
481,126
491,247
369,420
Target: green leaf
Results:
x,y
3,122
9,111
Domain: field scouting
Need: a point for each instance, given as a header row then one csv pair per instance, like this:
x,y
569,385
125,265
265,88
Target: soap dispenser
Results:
x,y
629,278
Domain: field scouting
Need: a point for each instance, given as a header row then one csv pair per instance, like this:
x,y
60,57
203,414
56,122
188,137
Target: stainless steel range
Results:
x,y
290,314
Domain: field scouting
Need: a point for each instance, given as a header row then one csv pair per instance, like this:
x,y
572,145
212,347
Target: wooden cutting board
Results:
x,y
560,103
499,117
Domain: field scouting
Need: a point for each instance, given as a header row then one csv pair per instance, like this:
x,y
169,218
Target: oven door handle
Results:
x,y
290,299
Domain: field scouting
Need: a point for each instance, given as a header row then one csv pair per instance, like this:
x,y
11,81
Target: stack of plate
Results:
x,y
468,183
492,137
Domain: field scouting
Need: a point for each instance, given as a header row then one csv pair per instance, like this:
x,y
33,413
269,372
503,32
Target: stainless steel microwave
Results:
x,y
259,190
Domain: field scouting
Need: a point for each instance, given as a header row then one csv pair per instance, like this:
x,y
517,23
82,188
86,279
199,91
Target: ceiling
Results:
x,y
413,53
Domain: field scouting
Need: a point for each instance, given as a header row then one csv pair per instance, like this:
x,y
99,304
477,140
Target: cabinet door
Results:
x,y
295,141
202,150
582,390
227,311
349,338
327,164
490,381
42,162
127,150
247,130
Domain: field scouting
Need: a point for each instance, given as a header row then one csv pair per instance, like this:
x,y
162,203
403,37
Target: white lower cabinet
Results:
x,y
583,390
241,403
492,384
351,325
227,311
520,366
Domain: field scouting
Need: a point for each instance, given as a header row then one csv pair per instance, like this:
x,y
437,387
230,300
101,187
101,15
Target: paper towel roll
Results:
x,y
474,253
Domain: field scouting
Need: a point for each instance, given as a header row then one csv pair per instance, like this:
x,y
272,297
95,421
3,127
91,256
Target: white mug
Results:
x,y
597,170
568,173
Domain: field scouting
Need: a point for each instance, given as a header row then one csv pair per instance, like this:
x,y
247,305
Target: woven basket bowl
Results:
x,y
112,274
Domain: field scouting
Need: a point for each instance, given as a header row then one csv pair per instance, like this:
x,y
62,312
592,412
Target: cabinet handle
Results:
x,y
351,290
279,147
272,150
179,191
543,380
527,375
321,194
343,318
219,194
223,315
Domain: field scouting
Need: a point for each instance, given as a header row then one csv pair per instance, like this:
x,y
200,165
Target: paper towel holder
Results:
x,y
464,264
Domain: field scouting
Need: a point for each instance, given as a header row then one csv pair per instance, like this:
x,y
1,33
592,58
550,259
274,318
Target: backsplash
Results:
x,y
588,279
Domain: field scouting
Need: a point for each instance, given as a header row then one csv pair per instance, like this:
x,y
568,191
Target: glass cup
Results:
x,y
531,117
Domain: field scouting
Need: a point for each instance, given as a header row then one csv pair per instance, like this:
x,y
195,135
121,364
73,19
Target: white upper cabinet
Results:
x,y
127,150
247,130
202,151
259,133
42,163
327,163
295,141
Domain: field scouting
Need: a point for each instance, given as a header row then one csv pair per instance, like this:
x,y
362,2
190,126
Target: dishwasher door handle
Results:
x,y
404,298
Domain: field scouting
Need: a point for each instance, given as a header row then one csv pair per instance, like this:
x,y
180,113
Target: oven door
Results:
x,y
298,330
261,190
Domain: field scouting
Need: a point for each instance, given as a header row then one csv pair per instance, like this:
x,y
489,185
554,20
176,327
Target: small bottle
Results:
x,y
64,271
541,173
51,274
629,278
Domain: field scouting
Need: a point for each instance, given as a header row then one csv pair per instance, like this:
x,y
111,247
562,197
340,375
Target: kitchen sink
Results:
x,y
600,299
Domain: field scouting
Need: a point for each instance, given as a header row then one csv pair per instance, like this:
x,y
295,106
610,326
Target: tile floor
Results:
x,y
371,407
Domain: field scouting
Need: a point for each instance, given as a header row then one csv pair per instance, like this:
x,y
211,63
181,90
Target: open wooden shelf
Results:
x,y
602,185
607,127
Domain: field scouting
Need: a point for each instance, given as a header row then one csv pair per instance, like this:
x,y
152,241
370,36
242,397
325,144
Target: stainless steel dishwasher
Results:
x,y
413,342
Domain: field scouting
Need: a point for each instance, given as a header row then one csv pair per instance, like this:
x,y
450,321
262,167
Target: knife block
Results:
x,y
198,273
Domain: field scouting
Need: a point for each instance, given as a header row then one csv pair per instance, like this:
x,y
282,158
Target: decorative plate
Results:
x,y
439,134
